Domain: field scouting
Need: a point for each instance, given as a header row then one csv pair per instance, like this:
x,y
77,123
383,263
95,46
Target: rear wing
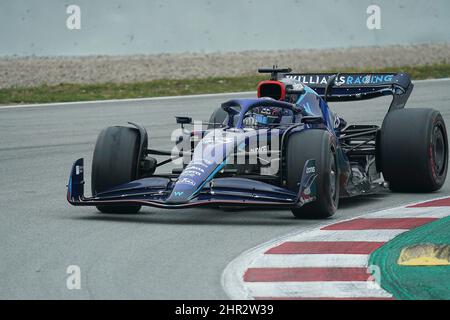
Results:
x,y
358,86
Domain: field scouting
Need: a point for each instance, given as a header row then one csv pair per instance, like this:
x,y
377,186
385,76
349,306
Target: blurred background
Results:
x,y
54,42
119,27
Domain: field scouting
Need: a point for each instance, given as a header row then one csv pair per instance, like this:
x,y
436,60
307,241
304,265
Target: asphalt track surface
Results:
x,y
157,254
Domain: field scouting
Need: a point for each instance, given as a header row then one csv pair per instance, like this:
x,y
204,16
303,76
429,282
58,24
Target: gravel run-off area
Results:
x,y
33,71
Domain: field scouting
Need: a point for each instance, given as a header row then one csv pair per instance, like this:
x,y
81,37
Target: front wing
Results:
x,y
154,191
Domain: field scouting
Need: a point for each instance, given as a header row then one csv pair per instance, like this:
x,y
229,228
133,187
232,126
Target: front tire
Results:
x,y
414,150
114,163
321,146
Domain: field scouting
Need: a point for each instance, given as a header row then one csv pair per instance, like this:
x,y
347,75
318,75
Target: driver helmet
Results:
x,y
268,115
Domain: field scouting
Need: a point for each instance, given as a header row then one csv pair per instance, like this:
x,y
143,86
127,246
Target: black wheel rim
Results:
x,y
438,151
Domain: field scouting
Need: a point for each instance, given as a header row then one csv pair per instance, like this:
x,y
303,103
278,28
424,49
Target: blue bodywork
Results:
x,y
202,182
198,183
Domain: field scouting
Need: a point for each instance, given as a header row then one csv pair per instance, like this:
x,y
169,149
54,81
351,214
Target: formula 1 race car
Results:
x,y
284,149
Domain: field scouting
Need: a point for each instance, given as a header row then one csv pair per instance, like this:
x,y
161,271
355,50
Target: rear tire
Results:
x,y
321,146
414,150
115,163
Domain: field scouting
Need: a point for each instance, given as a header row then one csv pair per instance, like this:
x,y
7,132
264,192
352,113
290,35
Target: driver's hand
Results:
x,y
250,122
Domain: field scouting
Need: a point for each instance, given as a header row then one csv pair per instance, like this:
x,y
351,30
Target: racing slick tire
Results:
x,y
218,117
321,146
114,163
414,150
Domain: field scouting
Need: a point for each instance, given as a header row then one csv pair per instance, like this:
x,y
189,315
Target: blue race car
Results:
x,y
284,149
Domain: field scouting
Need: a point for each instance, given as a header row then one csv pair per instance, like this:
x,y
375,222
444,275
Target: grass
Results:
x,y
66,92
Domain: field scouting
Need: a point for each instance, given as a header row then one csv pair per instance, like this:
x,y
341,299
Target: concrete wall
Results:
x,y
121,27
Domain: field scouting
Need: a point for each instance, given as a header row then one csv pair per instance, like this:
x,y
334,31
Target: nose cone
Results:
x,y
192,180
208,159
184,189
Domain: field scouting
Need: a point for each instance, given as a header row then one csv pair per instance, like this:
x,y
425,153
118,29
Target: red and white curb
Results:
x,y
330,262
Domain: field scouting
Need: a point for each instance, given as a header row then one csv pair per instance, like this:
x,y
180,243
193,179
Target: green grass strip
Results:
x,y
67,92
414,282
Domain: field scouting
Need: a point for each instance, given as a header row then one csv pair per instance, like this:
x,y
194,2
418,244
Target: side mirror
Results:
x,y
183,120
292,91
312,120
